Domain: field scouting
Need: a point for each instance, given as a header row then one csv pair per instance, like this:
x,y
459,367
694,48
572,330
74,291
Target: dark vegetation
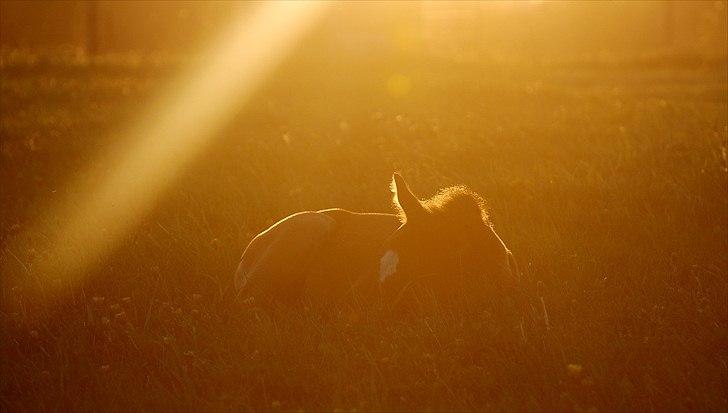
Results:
x,y
607,179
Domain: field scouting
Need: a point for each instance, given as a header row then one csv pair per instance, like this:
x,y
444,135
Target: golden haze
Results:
x,y
143,144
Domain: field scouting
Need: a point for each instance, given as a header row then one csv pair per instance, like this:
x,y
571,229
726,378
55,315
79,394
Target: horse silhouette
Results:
x,y
445,244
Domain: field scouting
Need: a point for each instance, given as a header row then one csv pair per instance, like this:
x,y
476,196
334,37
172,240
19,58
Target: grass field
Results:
x,y
608,180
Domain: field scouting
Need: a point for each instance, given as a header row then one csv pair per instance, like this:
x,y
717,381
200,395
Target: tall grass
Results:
x,y
608,181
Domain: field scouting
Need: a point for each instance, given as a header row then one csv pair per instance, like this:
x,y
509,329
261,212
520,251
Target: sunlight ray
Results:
x,y
156,149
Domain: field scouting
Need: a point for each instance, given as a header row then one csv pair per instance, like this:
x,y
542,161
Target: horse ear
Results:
x,y
404,200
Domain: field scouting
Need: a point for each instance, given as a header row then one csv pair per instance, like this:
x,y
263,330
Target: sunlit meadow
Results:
x,y
597,133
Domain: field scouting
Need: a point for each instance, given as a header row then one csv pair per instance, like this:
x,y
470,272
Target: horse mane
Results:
x,y
458,203
453,203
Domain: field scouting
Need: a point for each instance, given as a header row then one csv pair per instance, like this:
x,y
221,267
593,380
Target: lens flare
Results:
x,y
154,150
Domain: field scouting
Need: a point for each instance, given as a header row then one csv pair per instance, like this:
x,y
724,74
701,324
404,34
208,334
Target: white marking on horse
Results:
x,y
388,265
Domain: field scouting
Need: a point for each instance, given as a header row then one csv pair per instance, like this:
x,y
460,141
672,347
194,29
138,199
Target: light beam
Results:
x,y
169,137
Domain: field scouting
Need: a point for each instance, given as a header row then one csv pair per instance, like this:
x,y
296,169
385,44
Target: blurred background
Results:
x,y
526,28
144,143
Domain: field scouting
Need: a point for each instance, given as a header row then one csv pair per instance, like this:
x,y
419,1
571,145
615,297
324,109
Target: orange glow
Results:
x,y
171,134
194,212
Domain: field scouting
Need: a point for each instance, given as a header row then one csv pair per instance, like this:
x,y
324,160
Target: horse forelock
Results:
x,y
458,203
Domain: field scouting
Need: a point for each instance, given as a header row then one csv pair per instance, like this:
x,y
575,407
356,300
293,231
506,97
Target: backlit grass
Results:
x,y
607,180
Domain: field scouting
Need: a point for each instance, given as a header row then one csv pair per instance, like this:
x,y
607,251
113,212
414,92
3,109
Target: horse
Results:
x,y
332,256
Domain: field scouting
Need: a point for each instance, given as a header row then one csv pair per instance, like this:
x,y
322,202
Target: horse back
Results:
x,y
271,263
324,254
348,263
